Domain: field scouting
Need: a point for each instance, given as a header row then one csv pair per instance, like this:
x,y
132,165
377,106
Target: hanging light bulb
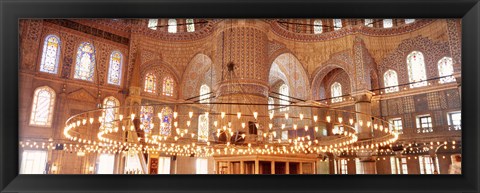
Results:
x,y
222,115
229,124
132,116
316,129
271,115
243,125
274,134
340,119
368,123
294,126
301,116
283,126
351,121
188,123
120,117
306,127
175,114
174,124
315,118
239,114
243,136
328,118
360,122
255,115
286,115
91,120
190,114
270,125
215,123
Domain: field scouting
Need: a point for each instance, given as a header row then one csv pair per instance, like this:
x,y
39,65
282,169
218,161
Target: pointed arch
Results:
x,y
390,81
110,113
416,69
85,62
115,68
287,67
336,92
203,129
168,86
445,70
166,121
150,83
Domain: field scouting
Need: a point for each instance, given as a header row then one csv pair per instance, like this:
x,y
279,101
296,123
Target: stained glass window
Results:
x,y
369,22
85,65
50,55
203,128
42,108
408,21
115,68
110,113
445,70
387,23
172,26
416,69
391,81
168,86
336,90
150,83
337,24
190,25
152,24
146,118
166,122
317,26
204,94
284,96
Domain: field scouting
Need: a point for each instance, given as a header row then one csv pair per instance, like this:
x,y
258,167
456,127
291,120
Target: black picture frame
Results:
x,y
11,11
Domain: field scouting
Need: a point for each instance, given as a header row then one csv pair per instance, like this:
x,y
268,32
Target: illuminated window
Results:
x,y
445,70
33,162
132,163
146,118
204,94
110,113
284,97
343,166
50,54
85,64
387,23
172,26
455,120
337,24
424,124
396,124
164,165
115,68
284,135
202,166
105,164
403,163
203,128
42,108
359,167
317,26
166,122
426,165
409,21
150,83
168,86
398,165
416,69
336,90
391,81
369,22
152,24
270,103
190,25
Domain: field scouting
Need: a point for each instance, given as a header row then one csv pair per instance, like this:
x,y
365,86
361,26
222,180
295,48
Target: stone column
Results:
x,y
257,166
273,167
363,105
287,167
242,167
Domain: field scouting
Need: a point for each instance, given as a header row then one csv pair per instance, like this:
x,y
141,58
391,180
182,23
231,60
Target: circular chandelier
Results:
x,y
201,129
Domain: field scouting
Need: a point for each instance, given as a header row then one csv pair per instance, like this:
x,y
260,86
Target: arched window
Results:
x,y
270,103
409,21
42,107
317,26
85,65
172,26
152,24
390,80
146,118
190,25
416,69
50,55
115,68
387,23
166,121
204,94
337,24
109,112
203,128
150,83
336,90
168,86
445,70
284,97
369,22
